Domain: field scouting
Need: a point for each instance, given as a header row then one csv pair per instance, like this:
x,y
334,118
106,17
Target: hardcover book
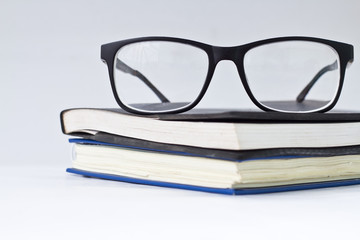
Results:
x,y
226,130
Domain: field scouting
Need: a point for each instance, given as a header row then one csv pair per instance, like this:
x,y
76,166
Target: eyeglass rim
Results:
x,y
216,54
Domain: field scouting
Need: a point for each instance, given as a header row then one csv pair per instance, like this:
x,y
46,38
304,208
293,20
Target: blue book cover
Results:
x,y
229,191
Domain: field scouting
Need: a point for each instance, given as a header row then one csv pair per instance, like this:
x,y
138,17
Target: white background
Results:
x,y
50,61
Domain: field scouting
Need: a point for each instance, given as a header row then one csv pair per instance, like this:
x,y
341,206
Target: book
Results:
x,y
252,173
226,130
116,140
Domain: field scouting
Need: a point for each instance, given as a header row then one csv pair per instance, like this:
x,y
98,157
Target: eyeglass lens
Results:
x,y
159,75
293,76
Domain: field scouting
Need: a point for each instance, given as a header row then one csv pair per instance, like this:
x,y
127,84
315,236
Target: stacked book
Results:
x,y
227,152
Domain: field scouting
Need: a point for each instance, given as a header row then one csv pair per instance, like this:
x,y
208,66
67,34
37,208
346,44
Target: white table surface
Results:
x,y
45,202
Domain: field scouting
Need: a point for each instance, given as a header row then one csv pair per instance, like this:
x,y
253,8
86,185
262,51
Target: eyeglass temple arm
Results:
x,y
126,69
305,91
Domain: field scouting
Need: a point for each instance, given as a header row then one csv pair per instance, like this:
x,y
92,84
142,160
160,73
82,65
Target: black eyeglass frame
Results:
x,y
215,55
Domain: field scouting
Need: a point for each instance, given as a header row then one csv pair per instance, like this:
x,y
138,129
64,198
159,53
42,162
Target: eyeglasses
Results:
x,y
170,75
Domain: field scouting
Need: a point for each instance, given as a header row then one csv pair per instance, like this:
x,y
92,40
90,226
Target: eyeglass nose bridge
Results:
x,y
226,53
